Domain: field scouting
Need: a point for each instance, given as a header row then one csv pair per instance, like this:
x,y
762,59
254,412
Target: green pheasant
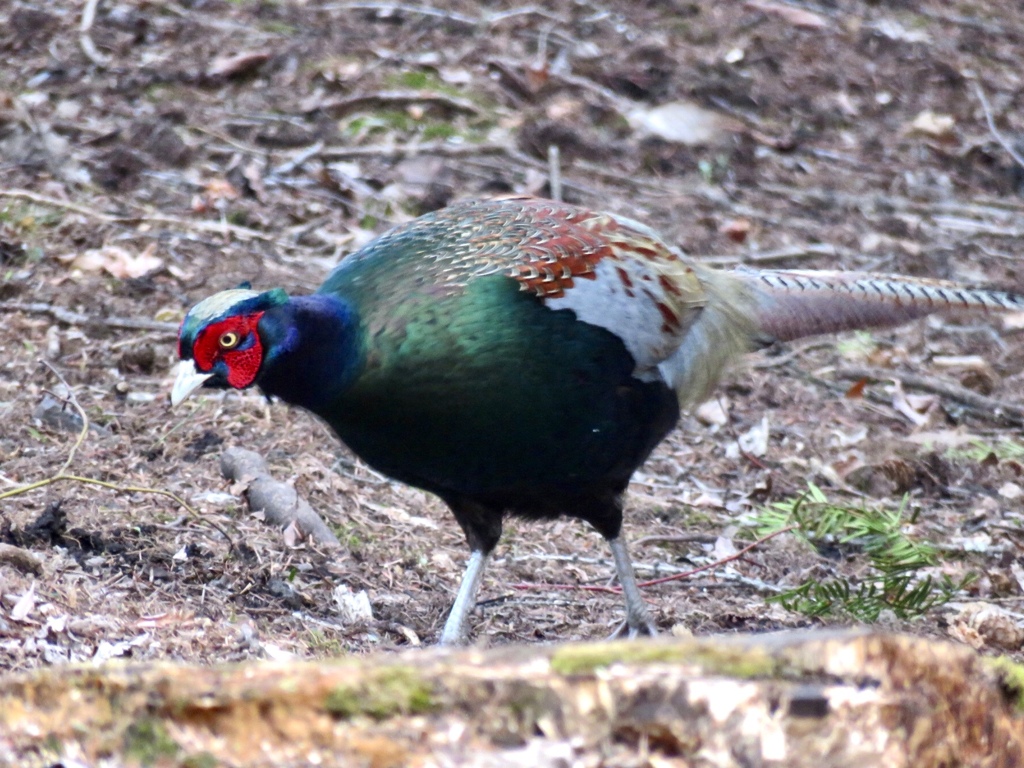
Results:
x,y
523,356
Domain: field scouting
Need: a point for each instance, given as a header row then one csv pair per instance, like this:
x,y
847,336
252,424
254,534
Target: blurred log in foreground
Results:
x,y
806,699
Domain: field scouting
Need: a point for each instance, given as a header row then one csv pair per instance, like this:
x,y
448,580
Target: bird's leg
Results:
x,y
455,628
638,618
482,526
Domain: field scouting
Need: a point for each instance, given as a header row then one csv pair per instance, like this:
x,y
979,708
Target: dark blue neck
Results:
x,y
312,351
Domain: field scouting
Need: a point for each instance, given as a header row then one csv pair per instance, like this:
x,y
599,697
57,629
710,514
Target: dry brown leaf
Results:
x,y
237,64
736,230
1011,491
683,122
713,412
537,76
894,30
292,535
25,605
917,408
983,625
339,70
754,442
932,124
856,390
797,17
116,261
1013,321
220,189
352,607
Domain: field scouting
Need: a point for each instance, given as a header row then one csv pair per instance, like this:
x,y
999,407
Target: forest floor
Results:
x,y
176,149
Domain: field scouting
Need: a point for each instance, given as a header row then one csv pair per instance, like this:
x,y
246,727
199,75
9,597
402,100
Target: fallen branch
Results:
x,y
279,502
59,478
21,559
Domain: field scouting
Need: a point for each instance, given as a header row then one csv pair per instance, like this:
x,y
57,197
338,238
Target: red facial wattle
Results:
x,y
241,359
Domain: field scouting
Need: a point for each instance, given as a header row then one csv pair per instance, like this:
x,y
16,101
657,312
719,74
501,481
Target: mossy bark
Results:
x,y
805,699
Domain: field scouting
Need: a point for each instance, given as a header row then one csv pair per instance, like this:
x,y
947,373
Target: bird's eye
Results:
x,y
229,340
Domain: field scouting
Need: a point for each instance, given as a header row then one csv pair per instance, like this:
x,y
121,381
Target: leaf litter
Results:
x,y
199,156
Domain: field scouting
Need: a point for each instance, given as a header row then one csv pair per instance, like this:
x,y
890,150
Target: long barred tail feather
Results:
x,y
790,304
746,308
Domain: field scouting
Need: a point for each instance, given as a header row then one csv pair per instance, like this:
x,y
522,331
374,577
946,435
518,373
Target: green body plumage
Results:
x,y
482,390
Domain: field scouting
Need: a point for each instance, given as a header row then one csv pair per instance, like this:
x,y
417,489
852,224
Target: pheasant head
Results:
x,y
220,342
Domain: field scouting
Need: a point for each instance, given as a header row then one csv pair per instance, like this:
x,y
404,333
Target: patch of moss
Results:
x,y
148,742
390,691
279,28
200,760
413,79
351,536
238,217
439,131
419,80
1011,676
28,219
320,643
727,660
1003,449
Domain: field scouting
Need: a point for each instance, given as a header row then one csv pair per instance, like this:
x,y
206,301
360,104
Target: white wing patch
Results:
x,y
649,304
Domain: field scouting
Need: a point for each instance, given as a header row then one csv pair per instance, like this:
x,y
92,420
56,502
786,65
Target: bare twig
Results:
x,y
491,18
699,538
341,107
201,225
963,21
991,207
59,478
70,397
84,39
718,563
788,253
992,126
674,577
62,476
440,148
787,357
621,105
395,8
554,172
75,318
989,406
297,160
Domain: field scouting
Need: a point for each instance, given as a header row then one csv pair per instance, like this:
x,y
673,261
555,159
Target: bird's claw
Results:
x,y
634,627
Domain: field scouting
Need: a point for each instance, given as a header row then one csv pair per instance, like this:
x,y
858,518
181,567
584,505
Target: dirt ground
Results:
x,y
176,149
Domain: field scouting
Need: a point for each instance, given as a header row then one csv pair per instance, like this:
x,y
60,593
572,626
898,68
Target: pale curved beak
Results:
x,y
187,382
